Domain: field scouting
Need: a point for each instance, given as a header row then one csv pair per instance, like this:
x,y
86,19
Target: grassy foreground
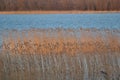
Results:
x,y
60,54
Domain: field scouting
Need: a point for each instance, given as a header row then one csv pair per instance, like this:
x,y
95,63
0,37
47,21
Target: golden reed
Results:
x,y
59,40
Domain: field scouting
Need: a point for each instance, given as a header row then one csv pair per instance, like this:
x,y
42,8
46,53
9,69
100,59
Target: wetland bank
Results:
x,y
60,46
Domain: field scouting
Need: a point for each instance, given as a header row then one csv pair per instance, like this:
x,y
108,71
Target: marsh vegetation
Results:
x,y
60,54
99,5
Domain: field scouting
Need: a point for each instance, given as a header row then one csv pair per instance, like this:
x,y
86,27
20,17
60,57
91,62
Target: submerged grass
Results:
x,y
60,54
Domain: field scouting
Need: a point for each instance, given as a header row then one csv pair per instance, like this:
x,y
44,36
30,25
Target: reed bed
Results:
x,y
60,54
83,5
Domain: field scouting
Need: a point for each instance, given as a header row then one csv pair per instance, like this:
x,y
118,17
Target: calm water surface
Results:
x,y
23,21
111,20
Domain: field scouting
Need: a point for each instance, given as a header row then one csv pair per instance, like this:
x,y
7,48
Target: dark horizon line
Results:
x,y
19,5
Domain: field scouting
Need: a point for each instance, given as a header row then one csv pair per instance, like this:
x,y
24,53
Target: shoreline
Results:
x,y
57,12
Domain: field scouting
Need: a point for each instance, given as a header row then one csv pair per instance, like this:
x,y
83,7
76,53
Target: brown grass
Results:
x,y
68,41
60,54
96,5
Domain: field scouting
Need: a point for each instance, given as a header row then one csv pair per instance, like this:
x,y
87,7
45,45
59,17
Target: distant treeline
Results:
x,y
13,5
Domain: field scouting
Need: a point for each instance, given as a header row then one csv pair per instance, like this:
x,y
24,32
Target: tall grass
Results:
x,y
10,5
60,54
61,41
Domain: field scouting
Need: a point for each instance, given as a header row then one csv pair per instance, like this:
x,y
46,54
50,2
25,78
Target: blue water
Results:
x,y
17,21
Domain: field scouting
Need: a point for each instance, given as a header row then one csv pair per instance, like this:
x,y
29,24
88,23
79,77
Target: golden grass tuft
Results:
x,y
69,41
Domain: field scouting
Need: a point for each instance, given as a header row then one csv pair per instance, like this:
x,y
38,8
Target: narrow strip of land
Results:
x,y
56,12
